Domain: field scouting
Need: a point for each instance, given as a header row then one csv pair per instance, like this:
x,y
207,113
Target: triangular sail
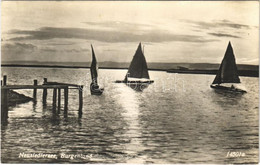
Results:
x,y
227,72
94,67
138,67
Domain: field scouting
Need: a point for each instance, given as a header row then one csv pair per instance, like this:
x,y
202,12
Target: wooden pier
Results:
x,y
55,86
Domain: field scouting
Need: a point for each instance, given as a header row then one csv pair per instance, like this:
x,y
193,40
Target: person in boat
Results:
x,y
232,86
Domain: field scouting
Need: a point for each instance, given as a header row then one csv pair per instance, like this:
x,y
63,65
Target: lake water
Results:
x,y
178,119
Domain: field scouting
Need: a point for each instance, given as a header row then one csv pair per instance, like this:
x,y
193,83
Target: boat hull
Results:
x,y
135,82
230,89
136,85
96,91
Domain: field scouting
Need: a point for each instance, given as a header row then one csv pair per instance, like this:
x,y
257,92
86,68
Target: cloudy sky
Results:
x,y
171,31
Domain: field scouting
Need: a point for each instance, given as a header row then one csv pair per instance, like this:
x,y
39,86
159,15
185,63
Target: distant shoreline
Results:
x,y
73,67
245,73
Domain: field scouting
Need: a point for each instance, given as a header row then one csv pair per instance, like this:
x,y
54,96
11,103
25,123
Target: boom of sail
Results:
x,y
227,72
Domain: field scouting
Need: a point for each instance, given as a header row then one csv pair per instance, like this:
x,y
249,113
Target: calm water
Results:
x,y
178,119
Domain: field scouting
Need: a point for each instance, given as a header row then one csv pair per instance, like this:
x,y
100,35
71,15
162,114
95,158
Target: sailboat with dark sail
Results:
x,y
137,76
94,87
227,76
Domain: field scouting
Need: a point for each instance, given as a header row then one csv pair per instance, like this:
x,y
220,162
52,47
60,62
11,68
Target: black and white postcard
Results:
x,y
132,82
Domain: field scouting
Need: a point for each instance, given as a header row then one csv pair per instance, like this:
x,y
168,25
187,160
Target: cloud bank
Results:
x,y
18,47
47,33
217,24
223,35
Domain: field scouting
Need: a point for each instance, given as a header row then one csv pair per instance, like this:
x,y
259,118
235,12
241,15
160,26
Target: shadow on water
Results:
x,y
226,97
228,93
138,87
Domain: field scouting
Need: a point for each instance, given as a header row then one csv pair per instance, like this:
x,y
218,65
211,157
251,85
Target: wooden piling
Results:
x,y
4,101
44,94
80,101
4,105
66,92
45,80
35,90
54,100
59,98
4,80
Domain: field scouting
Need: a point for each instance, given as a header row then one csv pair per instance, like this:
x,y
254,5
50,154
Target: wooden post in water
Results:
x,y
35,90
4,80
66,93
4,105
44,94
59,98
4,101
54,100
80,101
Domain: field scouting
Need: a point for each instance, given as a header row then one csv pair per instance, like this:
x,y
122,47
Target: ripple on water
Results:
x,y
195,125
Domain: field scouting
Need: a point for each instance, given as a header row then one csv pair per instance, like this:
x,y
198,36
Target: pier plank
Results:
x,y
33,86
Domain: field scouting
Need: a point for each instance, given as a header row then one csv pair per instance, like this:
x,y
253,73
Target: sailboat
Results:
x,y
94,87
227,75
137,76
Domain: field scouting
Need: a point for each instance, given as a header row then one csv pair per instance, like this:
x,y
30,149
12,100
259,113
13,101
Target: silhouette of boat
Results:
x,y
137,76
94,87
227,75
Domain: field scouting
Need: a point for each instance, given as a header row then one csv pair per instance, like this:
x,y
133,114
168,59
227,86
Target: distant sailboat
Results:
x,y
227,74
94,87
137,75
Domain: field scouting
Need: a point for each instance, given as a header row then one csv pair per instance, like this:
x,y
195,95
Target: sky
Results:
x,y
170,31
